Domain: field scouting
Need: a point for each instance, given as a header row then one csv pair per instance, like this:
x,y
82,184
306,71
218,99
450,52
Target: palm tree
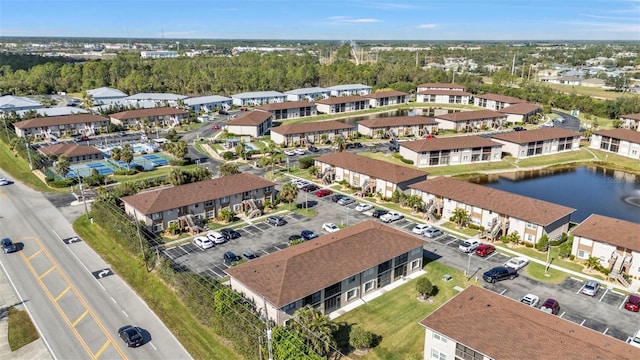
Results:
x,y
288,192
127,154
228,169
116,153
63,166
339,143
180,149
178,177
315,328
460,217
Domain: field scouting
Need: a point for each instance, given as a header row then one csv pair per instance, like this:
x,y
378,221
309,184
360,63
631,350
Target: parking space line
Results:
x,y
47,272
452,241
579,291
561,315
266,253
576,279
605,293
583,321
276,247
185,251
490,256
605,331
623,302
166,253
503,291
245,229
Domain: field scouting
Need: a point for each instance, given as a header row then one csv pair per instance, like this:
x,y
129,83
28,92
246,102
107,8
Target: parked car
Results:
x,y
250,255
313,148
323,192
394,148
310,188
354,145
363,207
330,227
519,128
469,245
289,152
308,235
216,127
8,246
530,300
4,181
203,242
276,220
551,306
499,273
378,213
633,303
229,258
131,335
590,288
485,249
295,237
344,201
300,151
302,183
216,237
230,233
391,216
517,263
635,339
433,233
420,228
223,112
336,197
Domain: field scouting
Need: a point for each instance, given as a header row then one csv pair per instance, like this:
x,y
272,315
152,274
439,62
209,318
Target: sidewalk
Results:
x,y
34,350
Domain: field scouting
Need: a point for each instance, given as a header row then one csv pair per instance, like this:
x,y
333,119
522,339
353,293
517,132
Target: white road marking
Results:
x,y
490,256
561,315
579,291
185,251
605,331
583,321
503,291
452,241
125,314
114,300
153,346
78,259
167,254
605,293
623,302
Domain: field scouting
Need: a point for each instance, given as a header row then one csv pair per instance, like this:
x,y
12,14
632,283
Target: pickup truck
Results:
x,y
499,273
391,216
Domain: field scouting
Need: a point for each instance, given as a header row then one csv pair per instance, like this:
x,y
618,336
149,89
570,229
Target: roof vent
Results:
x,y
571,331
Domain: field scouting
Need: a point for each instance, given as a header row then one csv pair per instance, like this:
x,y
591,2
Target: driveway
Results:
x,y
570,122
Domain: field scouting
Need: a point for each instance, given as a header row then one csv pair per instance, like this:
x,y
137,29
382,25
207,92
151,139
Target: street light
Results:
x,y
468,264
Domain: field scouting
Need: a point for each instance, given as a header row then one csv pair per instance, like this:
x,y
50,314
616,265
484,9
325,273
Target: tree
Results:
x,y
415,202
180,149
63,166
315,328
313,171
295,242
339,143
228,169
115,153
514,237
178,177
592,262
360,338
226,215
460,217
564,250
127,154
542,243
288,192
239,149
424,287
288,345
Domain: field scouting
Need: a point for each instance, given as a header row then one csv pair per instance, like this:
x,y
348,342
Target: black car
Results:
x,y
229,258
394,148
8,246
313,148
295,237
519,128
230,233
276,220
223,112
378,212
499,273
336,197
310,188
308,235
131,335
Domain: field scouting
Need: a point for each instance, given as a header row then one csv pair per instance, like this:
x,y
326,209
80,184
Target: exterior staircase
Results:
x,y
616,271
254,210
327,176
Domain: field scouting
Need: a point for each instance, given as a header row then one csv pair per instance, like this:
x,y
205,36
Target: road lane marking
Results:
x,y
605,331
125,314
62,293
79,318
47,272
153,346
102,349
114,300
605,293
34,255
624,301
561,315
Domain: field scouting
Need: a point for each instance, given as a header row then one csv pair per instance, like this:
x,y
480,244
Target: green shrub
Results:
x,y
529,245
476,227
126,172
407,161
505,240
228,155
306,162
359,338
62,183
542,243
572,257
397,156
178,162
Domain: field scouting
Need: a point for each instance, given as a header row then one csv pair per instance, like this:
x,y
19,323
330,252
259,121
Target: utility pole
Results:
x,y
84,199
26,139
513,64
266,319
144,258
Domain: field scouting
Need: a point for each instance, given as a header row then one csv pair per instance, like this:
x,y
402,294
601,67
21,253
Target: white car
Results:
x,y
517,263
289,152
469,245
530,300
635,339
216,237
330,227
4,181
391,216
363,207
420,228
302,183
203,242
300,151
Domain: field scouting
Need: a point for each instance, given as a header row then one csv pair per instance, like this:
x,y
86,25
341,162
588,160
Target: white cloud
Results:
x,y
369,20
347,19
427,26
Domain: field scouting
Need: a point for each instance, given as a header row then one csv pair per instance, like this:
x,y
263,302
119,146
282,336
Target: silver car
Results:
x,y
591,288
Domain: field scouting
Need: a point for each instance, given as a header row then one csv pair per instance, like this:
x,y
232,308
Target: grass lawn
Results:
x,y
570,265
18,169
452,226
394,316
162,171
536,271
571,156
21,330
200,341
587,91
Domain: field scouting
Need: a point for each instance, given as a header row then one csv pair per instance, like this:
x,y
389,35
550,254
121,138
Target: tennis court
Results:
x,y
156,159
84,170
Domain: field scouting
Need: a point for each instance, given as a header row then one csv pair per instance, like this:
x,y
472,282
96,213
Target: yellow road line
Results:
x,y
97,355
34,255
47,272
62,293
79,318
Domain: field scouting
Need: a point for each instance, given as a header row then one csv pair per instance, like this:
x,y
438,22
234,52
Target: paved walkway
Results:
x,y
8,298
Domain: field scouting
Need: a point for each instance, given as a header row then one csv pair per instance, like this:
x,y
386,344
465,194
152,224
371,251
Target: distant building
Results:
x,y
335,105
310,133
308,94
521,112
166,99
254,123
440,86
494,101
349,90
54,111
60,126
386,98
257,98
10,103
630,121
544,141
443,97
74,152
471,120
159,54
398,126
207,104
290,109
624,142
105,95
163,116
453,150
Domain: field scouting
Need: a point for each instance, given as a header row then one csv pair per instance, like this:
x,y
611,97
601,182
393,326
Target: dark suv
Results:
x,y
131,335
499,273
276,220
230,258
230,233
8,246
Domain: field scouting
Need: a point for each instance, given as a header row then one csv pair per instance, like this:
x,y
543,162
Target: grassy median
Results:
x,y
21,330
200,341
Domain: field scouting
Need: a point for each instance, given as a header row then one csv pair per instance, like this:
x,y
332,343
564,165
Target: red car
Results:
x,y
633,303
216,127
485,249
323,192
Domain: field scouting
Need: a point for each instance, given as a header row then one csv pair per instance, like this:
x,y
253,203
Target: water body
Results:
x,y
429,112
588,189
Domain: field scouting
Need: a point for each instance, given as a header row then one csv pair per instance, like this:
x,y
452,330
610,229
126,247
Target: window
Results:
x,y
225,199
157,228
288,308
416,251
436,354
583,254
208,203
352,294
210,214
369,272
156,216
313,299
415,264
440,338
351,279
532,226
369,285
401,259
465,353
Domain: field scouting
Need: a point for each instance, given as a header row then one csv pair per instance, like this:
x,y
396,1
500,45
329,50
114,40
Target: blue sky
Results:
x,y
325,19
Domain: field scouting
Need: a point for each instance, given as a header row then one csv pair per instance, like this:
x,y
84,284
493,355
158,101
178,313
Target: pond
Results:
x,y
429,112
589,189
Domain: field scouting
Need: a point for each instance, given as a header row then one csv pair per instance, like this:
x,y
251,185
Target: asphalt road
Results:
x,y
74,298
570,122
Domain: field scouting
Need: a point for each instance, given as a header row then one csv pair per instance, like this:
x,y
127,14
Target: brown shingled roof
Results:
x,y
502,328
59,120
471,115
398,121
68,150
622,134
310,127
631,116
341,100
377,169
610,230
182,195
442,85
443,92
285,105
448,143
500,98
522,207
384,94
140,113
524,137
295,272
523,108
251,118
